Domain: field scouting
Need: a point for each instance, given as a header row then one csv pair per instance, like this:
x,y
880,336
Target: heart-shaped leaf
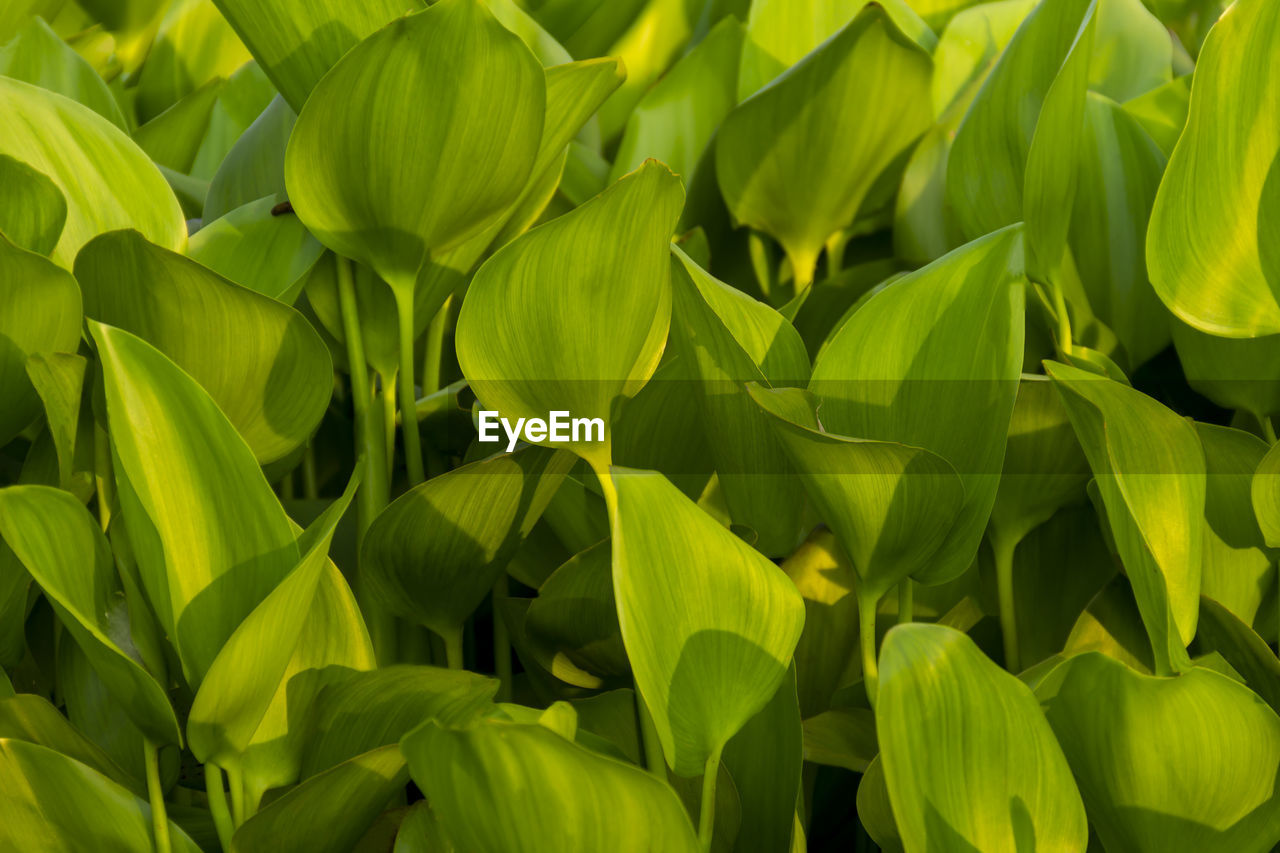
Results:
x,y
262,362
36,55
1211,246
259,248
969,761
708,660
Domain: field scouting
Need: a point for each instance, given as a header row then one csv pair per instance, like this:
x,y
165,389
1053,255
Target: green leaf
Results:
x,y
329,812
1237,564
797,159
249,669
470,154
254,167
259,249
1150,471
172,139
297,41
434,553
108,182
1044,468
65,552
969,761
890,505
1219,630
1132,53
677,118
272,377
731,339
58,378
368,710
1112,624
1235,373
1131,739
56,803
874,809
1265,494
1162,112
42,315
211,539
1119,170
1213,227
842,737
511,787
780,32
894,373
193,46
604,266
34,211
32,718
708,660
36,55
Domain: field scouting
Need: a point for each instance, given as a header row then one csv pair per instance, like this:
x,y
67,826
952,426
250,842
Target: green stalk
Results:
x,y
159,816
867,605
102,474
1064,319
310,483
653,759
433,357
387,393
287,486
408,396
235,781
218,805
453,647
906,601
501,642
1268,430
373,492
707,817
1003,549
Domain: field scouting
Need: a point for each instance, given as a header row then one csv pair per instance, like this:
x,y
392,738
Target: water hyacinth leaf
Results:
x,y
241,99
969,47
707,661
1162,112
890,505
797,159
502,787
434,553
1237,564
574,92
254,167
34,209
1235,373
107,180
268,370
603,266
58,378
988,171
874,809
472,152
68,556
247,673
842,737
780,33
731,339
1044,467
1222,631
329,811
576,616
193,46
259,248
296,42
53,802
1119,170
894,373
36,55
368,710
43,315
1265,494
677,118
1132,51
172,139
969,761
1112,624
1154,495
31,718
211,539
1129,738
1213,228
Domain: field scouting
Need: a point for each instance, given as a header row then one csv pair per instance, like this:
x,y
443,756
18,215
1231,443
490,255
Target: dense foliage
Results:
x,y
932,349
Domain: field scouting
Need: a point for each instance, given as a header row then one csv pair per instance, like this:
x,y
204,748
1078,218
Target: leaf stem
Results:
x,y
1004,548
867,605
906,601
102,475
387,393
408,396
433,357
707,815
649,742
453,647
501,642
310,483
159,815
1268,430
235,781
218,805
